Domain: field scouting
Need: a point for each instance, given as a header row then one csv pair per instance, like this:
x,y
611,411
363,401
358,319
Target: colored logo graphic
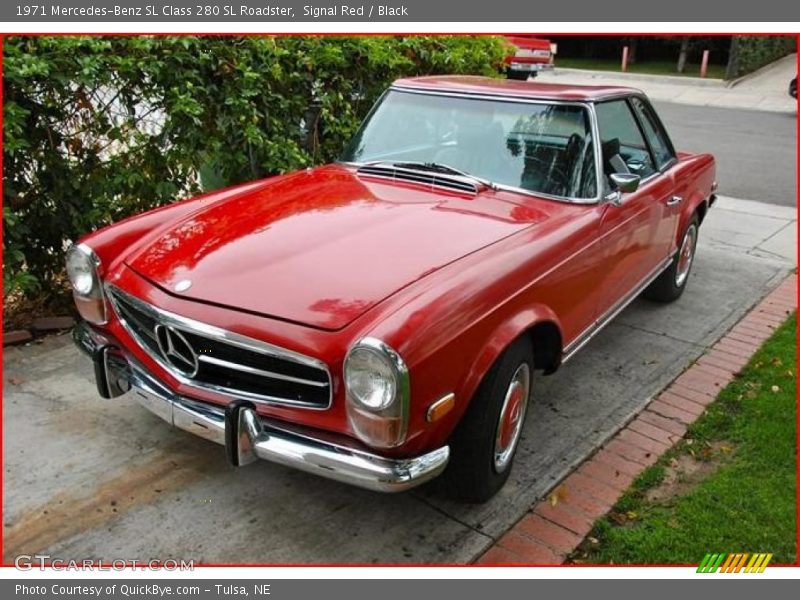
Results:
x,y
734,563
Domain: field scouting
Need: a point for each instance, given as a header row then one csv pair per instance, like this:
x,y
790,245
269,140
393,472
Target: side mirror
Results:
x,y
625,182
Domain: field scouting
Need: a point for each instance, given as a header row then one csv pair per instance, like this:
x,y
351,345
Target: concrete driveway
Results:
x,y
88,478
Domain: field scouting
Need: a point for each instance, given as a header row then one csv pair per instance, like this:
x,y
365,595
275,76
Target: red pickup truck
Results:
x,y
531,56
378,321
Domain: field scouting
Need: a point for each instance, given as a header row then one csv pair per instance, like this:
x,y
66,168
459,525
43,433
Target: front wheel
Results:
x,y
485,443
670,284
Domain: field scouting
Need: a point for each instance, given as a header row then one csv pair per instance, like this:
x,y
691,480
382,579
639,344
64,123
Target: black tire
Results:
x,y
472,475
518,75
669,286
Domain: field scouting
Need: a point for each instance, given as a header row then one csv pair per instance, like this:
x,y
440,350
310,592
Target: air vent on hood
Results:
x,y
434,180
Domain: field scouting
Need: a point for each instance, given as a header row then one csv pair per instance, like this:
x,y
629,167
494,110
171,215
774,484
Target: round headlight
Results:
x,y
378,387
81,270
370,378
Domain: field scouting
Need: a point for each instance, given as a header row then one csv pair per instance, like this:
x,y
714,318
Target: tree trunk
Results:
x,y
684,53
732,70
633,44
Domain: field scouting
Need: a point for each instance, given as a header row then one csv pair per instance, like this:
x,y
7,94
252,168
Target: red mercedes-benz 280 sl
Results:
x,y
378,321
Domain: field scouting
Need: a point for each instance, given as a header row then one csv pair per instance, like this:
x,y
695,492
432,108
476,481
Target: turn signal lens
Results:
x,y
440,408
382,431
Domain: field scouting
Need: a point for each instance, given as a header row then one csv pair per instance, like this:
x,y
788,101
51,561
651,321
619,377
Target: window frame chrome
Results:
x,y
660,125
612,196
586,104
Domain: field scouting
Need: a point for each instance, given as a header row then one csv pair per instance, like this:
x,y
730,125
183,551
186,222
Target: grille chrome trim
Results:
x,y
254,371
223,336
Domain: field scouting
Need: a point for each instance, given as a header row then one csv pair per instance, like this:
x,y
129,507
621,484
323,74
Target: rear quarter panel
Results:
x,y
695,176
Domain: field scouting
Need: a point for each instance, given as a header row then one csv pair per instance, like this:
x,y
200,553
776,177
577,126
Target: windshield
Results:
x,y
543,148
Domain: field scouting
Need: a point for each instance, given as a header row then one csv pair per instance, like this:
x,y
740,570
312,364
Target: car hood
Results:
x,y
321,247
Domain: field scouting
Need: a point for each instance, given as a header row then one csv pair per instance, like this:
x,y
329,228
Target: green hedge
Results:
x,y
749,53
98,128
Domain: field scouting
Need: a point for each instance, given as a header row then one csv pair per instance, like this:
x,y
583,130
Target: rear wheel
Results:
x,y
485,443
670,284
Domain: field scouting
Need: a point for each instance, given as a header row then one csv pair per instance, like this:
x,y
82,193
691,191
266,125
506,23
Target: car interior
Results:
x,y
530,153
543,148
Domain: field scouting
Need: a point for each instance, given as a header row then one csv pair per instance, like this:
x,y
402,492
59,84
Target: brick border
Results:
x,y
547,534
40,326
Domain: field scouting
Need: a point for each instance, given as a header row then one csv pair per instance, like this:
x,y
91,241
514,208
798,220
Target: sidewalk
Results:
x,y
766,89
550,531
767,230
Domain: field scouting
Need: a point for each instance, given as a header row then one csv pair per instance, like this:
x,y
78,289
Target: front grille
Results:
x,y
211,358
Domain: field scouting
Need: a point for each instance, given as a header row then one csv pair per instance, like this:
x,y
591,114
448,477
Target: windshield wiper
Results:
x,y
435,167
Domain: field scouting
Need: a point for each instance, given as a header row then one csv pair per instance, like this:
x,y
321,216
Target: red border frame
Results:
x,y
3,35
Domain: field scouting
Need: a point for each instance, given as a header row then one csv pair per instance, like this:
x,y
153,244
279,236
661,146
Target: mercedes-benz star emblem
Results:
x,y
183,285
177,350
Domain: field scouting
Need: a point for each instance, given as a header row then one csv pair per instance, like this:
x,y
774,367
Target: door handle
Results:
x,y
674,200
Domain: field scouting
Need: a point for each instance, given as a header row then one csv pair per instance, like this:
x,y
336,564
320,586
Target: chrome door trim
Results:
x,y
586,335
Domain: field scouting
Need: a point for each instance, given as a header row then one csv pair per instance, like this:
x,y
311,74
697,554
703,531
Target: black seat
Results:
x,y
612,160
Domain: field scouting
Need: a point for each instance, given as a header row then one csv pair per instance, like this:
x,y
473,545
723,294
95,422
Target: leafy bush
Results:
x,y
749,52
98,128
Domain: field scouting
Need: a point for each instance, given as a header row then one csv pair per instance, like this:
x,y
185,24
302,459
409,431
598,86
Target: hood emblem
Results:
x,y
177,350
183,285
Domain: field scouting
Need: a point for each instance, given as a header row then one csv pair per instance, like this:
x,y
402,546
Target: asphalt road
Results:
x,y
755,150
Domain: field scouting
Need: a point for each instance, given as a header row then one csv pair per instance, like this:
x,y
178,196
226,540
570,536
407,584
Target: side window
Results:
x,y
655,134
623,147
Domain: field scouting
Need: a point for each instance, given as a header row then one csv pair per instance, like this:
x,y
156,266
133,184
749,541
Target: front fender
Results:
x,y
114,242
521,323
460,365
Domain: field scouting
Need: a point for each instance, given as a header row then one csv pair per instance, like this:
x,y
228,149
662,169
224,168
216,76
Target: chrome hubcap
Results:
x,y
686,255
512,416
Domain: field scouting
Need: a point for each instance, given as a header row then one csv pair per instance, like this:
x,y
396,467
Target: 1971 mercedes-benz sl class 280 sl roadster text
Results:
x,y
378,321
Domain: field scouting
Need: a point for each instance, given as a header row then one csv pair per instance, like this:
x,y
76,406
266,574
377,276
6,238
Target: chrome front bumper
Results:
x,y
246,436
530,67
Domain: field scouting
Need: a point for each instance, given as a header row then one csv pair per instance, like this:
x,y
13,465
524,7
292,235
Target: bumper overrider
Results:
x,y
248,437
